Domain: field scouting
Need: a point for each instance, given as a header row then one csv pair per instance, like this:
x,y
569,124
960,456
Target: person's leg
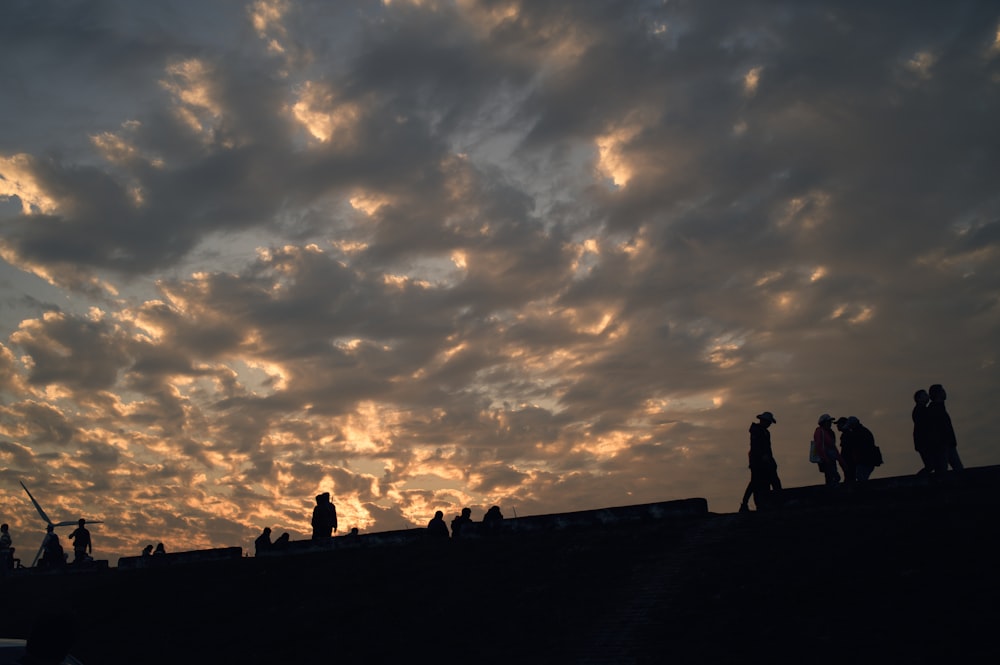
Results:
x,y
744,505
954,460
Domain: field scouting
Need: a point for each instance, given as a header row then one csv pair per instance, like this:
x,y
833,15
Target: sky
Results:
x,y
427,254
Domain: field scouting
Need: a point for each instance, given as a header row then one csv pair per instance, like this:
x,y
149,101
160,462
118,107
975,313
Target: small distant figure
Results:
x,y
941,431
460,522
492,519
82,546
52,550
160,549
763,468
282,541
147,550
324,517
436,528
825,440
923,442
263,542
6,548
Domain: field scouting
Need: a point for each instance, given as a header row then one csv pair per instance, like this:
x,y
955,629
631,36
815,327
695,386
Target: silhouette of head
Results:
x,y
842,423
82,521
3,527
50,528
766,419
466,512
438,515
825,419
921,397
937,393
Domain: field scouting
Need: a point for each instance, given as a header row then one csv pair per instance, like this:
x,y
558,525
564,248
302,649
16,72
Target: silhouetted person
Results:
x,y
460,522
147,550
6,548
940,428
82,546
324,517
263,542
847,450
825,441
282,541
436,528
52,550
160,549
863,448
931,455
51,637
763,468
492,519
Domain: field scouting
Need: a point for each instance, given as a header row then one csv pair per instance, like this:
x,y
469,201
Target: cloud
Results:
x,y
427,255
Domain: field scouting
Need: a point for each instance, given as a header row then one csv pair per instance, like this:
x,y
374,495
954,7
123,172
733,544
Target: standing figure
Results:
x,y
825,440
931,454
324,517
52,550
763,468
82,546
865,453
436,528
6,548
941,431
492,520
263,542
460,522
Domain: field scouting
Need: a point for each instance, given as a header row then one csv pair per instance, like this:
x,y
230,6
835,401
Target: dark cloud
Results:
x,y
423,255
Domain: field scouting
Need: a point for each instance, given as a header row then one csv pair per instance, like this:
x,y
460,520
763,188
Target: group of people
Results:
x,y
933,434
52,554
933,438
148,550
439,530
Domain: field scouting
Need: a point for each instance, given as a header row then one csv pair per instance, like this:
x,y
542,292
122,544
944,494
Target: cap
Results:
x,y
767,415
825,418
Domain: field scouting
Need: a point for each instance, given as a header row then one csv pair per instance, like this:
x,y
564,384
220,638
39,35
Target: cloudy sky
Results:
x,y
426,254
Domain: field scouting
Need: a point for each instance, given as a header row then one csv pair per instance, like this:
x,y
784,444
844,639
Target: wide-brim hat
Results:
x,y
767,415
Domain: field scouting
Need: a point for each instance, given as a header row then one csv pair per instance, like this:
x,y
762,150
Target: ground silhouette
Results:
x,y
897,572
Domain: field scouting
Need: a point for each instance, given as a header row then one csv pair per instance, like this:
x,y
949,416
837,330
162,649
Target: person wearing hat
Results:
x,y
763,468
825,443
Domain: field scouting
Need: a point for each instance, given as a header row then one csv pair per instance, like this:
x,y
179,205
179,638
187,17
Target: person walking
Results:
x,y
763,469
825,443
941,431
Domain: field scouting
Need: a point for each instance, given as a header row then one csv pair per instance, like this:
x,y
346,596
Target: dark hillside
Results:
x,y
904,572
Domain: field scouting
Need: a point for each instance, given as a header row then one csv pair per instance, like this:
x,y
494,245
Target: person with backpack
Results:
x,y
864,453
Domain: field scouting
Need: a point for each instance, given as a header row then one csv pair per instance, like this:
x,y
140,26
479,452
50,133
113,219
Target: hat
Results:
x,y
853,421
825,418
767,415
841,421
